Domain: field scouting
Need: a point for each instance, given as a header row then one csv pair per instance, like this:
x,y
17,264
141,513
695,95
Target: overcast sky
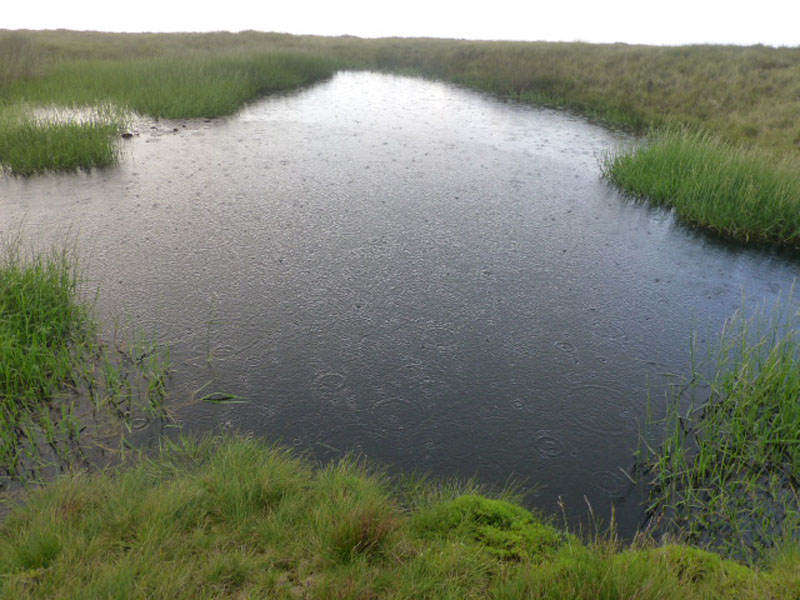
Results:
x,y
773,22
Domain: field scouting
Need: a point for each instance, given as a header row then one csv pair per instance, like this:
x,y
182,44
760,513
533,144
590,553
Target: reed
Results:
x,y
55,369
726,474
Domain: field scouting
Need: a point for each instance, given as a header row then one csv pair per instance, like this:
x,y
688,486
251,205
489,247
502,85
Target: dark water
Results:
x,y
428,275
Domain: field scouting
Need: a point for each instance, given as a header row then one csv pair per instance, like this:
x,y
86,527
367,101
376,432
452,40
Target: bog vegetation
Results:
x,y
726,473
728,99
234,518
58,373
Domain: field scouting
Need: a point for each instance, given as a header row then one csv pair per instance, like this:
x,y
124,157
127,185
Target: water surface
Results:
x,y
426,274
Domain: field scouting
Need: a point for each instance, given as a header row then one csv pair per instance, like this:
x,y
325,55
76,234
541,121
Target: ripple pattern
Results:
x,y
547,444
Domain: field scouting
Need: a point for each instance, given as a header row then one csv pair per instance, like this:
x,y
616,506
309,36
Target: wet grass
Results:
x,y
189,82
726,475
736,107
235,518
56,373
192,85
742,93
30,146
745,96
740,192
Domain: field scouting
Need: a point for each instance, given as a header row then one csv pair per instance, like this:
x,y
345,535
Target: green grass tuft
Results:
x,y
726,476
745,194
29,146
506,530
54,366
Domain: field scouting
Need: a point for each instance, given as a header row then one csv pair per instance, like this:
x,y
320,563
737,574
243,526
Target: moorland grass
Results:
x,y
742,93
235,518
54,367
30,145
739,192
736,107
190,85
747,96
191,82
727,473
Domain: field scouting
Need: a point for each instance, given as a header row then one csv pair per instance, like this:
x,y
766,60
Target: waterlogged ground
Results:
x,y
426,274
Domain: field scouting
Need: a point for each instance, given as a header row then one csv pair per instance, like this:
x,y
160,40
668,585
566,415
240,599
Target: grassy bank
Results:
x,y
739,109
728,472
55,370
189,85
236,519
744,96
739,192
743,93
166,78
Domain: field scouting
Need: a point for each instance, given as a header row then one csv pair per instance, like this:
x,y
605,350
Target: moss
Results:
x,y
695,565
506,530
693,568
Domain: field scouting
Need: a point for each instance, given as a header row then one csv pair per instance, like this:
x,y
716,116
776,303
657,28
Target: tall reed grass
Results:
x,y
55,369
728,472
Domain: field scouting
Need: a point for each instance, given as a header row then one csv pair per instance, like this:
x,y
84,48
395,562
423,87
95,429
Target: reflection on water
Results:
x,y
428,275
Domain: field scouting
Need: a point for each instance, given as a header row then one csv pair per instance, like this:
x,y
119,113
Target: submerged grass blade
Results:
x,y
53,366
221,398
727,473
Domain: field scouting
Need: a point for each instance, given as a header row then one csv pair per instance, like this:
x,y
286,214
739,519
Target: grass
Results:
x,y
742,93
236,518
726,101
723,122
29,146
727,474
55,370
190,85
740,192
190,82
722,152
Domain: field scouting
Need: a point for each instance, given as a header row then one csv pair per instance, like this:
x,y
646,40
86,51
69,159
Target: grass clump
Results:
x,y
39,322
745,194
507,530
187,85
236,518
726,476
30,146
172,77
54,367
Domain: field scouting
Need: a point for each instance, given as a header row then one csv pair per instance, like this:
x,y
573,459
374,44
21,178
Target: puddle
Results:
x,y
429,275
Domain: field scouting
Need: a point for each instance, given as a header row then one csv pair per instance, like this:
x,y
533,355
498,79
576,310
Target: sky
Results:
x,y
666,22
